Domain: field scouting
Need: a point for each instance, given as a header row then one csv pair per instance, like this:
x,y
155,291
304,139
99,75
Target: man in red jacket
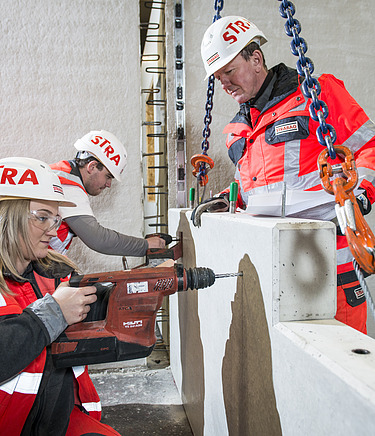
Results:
x,y
272,142
100,158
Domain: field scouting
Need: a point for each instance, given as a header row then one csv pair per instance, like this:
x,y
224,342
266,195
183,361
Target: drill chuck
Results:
x,y
198,278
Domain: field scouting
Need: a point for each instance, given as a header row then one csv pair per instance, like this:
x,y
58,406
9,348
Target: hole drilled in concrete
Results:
x,y
361,351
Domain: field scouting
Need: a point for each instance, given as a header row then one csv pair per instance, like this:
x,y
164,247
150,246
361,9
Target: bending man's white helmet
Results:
x,y
23,177
225,38
106,148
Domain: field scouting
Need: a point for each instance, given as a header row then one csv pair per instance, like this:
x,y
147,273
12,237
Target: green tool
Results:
x,y
192,197
233,193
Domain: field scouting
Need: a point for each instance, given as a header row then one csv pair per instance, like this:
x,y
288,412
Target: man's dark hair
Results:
x,y
82,162
248,51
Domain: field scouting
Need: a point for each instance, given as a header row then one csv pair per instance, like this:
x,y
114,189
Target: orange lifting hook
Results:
x,y
196,161
360,238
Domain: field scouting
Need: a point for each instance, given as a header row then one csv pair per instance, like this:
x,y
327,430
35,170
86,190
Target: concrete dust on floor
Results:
x,y
136,385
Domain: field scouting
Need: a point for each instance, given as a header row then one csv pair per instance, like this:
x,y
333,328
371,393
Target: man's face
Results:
x,y
97,180
242,79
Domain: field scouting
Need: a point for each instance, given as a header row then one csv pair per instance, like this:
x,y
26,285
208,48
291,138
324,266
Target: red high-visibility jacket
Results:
x,y
280,145
273,144
18,393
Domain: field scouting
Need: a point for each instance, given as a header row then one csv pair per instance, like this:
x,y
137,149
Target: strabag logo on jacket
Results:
x,y
287,127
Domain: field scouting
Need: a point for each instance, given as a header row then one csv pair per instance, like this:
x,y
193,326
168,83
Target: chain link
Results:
x,y
219,4
325,133
208,116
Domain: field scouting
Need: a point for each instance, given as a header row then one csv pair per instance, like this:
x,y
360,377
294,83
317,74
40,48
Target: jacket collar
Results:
x,y
56,270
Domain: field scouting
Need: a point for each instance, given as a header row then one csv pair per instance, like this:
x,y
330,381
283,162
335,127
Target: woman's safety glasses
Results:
x,y
44,220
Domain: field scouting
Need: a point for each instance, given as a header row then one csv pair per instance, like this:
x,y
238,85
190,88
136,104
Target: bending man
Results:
x,y
101,157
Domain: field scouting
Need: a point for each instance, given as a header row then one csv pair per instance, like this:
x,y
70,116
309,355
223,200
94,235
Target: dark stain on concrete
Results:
x,y
190,339
249,395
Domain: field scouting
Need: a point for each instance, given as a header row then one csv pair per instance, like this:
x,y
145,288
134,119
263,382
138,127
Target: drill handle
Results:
x,y
75,281
98,309
100,285
167,238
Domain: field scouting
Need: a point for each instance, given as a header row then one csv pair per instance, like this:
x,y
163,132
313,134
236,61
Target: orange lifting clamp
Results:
x,y
360,238
201,159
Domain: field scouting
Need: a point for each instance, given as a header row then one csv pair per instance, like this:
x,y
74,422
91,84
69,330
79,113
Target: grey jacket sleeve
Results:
x,y
104,240
48,311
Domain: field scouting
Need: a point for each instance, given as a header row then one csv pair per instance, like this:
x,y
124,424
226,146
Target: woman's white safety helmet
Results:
x,y
225,38
23,177
106,148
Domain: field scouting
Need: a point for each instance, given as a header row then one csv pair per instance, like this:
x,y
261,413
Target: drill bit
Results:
x,y
201,277
224,275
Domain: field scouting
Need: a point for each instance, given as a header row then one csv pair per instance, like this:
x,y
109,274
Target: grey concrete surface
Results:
x,y
136,385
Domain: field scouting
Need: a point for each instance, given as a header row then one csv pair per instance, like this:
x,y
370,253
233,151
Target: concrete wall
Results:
x,y
69,67
262,354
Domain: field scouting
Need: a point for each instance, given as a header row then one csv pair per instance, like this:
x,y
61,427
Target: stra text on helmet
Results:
x,y
22,177
107,148
225,38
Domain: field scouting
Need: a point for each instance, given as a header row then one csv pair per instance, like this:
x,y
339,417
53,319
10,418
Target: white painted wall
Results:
x,y
321,387
69,67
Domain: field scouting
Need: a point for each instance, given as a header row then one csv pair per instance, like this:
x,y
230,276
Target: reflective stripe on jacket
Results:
x,y
64,238
17,394
64,170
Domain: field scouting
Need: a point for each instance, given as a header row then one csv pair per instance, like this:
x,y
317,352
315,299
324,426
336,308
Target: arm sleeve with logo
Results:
x,y
106,241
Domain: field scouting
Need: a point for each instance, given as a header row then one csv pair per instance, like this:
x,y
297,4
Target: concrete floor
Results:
x,y
140,397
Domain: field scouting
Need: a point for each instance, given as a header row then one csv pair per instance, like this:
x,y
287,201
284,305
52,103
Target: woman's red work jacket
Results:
x,y
17,395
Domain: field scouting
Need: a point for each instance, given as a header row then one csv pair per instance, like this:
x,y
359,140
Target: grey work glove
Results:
x,y
214,204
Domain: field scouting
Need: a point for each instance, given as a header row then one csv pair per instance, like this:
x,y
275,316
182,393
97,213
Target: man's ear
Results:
x,y
91,166
257,59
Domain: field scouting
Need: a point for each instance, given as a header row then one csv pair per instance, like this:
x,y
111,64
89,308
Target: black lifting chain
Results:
x,y
325,133
219,4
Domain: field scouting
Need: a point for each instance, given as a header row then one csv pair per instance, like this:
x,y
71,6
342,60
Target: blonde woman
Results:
x,y
36,305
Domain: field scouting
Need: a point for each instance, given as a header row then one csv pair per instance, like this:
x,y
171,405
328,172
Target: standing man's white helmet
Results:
x,y
225,38
23,177
106,148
